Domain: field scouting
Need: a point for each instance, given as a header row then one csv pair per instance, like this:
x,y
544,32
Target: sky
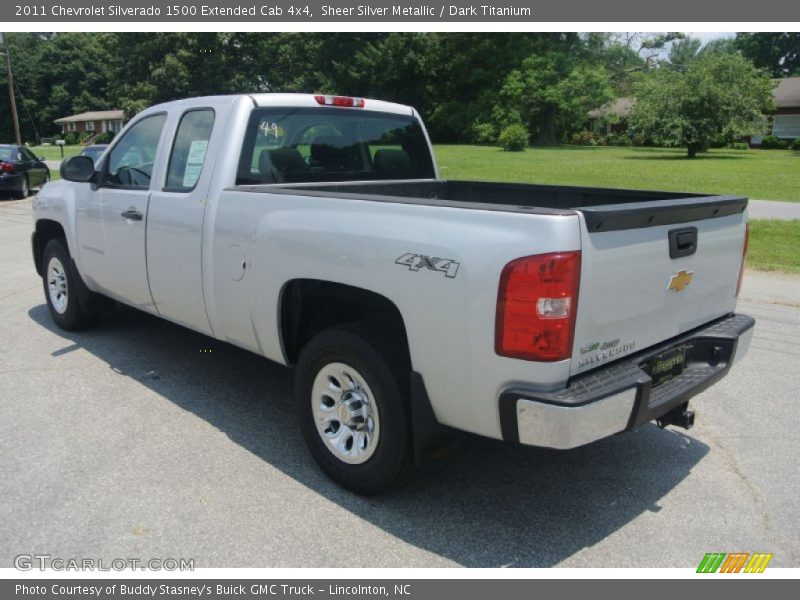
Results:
x,y
707,36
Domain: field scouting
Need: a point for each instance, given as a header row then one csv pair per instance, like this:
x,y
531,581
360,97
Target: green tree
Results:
x,y
777,52
719,46
57,75
75,76
717,95
551,95
684,51
465,73
25,50
622,62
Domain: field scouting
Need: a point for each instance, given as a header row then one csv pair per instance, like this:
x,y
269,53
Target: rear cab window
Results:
x,y
189,150
307,145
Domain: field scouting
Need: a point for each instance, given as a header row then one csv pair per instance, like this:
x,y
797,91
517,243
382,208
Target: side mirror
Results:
x,y
41,158
78,168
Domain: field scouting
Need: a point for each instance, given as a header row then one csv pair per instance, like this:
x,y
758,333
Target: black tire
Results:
x,y
387,375
73,317
25,191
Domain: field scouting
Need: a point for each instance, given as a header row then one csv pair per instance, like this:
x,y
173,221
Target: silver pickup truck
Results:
x,y
316,231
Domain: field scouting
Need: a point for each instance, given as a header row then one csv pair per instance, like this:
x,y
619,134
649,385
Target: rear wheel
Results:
x,y
60,281
351,390
24,189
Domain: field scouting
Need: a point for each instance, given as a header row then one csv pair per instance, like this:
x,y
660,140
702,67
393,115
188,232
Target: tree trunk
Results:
x,y
692,150
547,133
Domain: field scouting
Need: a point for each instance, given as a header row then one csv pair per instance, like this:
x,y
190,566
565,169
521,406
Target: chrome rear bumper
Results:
x,y
620,396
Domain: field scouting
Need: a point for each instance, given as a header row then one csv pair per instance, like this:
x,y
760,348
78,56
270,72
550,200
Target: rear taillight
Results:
x,y
744,258
536,306
7,168
340,101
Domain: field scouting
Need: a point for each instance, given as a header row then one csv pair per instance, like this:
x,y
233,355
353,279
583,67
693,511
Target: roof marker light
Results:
x,y
340,101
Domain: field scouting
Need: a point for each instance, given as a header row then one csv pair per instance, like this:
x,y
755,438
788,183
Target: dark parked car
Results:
x,y
94,151
21,170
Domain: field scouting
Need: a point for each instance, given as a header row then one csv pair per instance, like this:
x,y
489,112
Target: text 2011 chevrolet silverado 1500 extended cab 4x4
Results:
x,y
316,232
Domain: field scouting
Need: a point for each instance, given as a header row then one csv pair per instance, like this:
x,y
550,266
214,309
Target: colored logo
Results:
x,y
680,280
735,562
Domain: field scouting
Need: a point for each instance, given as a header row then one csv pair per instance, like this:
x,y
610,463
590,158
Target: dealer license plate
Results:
x,y
667,365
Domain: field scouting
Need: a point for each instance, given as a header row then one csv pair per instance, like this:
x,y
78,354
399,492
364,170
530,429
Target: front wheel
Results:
x,y
60,288
351,390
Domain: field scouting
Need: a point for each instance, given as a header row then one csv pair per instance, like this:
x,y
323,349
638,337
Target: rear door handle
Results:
x,y
132,214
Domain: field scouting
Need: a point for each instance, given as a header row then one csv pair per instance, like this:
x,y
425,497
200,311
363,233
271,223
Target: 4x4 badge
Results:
x,y
415,262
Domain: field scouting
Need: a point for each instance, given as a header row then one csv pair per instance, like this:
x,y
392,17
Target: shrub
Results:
x,y
740,146
83,136
770,142
514,138
619,139
795,144
582,138
484,133
70,139
104,137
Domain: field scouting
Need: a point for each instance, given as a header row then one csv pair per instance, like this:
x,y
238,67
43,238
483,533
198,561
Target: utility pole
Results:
x,y
11,97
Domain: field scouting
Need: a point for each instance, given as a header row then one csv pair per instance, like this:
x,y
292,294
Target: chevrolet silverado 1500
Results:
x,y
316,231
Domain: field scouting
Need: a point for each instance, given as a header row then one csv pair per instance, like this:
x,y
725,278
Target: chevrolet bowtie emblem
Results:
x,y
680,280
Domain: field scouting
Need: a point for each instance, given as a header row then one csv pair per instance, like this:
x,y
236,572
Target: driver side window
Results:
x,y
130,162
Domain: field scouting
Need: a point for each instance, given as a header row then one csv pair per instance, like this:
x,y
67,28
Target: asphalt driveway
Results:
x,y
142,439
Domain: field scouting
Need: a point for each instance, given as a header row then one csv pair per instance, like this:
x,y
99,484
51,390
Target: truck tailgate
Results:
x,y
653,270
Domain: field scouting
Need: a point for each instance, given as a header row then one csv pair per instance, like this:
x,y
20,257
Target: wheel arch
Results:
x,y
308,306
46,230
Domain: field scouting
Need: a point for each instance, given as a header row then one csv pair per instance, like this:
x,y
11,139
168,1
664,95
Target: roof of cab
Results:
x,y
310,101
275,99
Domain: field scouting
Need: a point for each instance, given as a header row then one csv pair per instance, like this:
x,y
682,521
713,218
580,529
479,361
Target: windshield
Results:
x,y
288,145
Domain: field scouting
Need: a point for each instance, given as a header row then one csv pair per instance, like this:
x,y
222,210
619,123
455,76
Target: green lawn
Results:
x,y
757,174
774,246
54,152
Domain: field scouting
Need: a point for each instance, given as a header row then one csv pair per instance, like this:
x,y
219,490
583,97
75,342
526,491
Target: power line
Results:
x,y
28,112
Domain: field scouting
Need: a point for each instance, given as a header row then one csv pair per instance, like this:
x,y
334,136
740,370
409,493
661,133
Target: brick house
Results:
x,y
92,122
786,116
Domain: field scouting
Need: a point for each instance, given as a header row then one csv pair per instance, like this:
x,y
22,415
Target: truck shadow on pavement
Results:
x,y
478,502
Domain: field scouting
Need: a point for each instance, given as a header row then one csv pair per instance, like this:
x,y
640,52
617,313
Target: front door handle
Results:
x,y
132,214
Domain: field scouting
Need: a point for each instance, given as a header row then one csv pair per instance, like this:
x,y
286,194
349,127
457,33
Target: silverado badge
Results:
x,y
680,281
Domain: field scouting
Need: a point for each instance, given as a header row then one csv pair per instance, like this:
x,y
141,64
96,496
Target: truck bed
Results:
x,y
605,209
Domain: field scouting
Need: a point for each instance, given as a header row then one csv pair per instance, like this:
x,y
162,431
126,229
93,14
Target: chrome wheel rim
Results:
x,y
345,413
57,285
